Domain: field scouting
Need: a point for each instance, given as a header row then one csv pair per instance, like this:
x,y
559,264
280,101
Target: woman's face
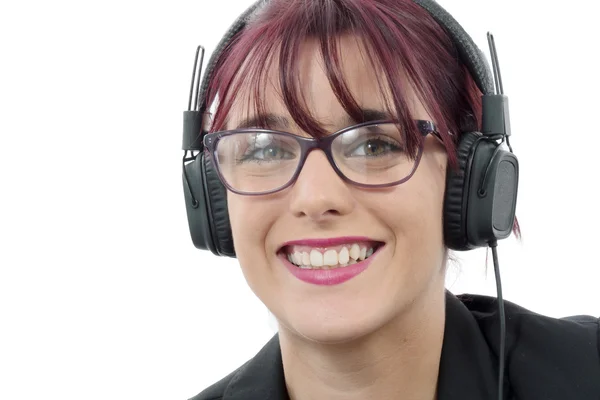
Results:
x,y
406,218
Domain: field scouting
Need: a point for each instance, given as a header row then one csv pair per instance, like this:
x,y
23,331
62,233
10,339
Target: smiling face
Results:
x,y
403,223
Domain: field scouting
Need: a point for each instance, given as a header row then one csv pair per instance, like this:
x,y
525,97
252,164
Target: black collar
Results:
x,y
468,367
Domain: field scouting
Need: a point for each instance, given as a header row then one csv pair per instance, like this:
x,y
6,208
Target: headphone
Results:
x,y
481,194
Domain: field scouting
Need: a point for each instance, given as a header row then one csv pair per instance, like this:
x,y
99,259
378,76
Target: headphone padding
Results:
x,y
457,182
195,205
216,195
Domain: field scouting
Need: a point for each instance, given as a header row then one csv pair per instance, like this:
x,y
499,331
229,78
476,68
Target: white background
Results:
x,y
102,294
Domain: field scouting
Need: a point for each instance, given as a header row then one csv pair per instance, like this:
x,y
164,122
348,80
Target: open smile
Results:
x,y
329,261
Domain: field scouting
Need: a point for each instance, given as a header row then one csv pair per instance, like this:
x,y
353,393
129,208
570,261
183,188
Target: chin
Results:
x,y
328,327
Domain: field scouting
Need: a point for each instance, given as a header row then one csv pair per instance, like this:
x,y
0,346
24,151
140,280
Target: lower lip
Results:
x,y
328,277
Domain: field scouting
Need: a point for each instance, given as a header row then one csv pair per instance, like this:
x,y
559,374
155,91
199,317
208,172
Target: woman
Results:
x,y
347,245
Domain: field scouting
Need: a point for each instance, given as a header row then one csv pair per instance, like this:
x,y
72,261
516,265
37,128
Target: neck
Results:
x,y
400,360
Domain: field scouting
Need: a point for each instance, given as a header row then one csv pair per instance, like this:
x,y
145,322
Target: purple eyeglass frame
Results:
x,y
307,145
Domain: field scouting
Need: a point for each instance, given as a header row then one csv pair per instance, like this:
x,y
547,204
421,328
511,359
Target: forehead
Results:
x,y
363,79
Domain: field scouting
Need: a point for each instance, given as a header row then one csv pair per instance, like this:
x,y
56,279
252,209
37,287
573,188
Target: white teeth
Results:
x,y
305,259
363,253
330,258
348,255
316,258
344,256
355,251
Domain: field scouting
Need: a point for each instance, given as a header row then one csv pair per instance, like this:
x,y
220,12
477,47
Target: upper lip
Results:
x,y
328,242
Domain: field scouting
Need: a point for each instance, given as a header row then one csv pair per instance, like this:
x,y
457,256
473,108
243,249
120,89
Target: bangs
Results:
x,y
397,39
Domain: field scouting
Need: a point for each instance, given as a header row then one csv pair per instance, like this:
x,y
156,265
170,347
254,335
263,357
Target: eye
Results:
x,y
269,153
374,147
267,148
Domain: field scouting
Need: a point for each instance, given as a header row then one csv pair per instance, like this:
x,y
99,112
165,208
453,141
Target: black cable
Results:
x,y
196,76
495,64
197,104
501,356
508,143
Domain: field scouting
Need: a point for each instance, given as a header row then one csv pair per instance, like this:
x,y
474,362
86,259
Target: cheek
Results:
x,y
428,206
251,219
248,221
429,187
417,215
414,211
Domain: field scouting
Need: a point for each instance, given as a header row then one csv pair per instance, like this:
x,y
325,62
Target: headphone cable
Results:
x,y
501,356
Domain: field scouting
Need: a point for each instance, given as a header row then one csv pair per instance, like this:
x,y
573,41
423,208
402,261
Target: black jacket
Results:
x,y
547,358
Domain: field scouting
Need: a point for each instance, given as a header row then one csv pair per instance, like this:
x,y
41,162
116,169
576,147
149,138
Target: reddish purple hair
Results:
x,y
397,35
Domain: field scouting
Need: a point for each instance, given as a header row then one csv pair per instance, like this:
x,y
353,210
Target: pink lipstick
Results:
x,y
333,276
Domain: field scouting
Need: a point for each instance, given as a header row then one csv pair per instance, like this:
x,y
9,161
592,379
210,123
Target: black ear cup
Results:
x,y
492,195
206,205
480,200
216,194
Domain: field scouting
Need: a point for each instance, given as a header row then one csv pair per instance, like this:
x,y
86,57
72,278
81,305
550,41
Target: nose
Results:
x,y
319,193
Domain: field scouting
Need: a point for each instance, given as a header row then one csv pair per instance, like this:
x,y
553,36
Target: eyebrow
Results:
x,y
272,120
281,122
369,115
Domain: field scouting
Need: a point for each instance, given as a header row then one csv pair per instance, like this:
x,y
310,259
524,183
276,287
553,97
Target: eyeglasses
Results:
x,y
262,161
